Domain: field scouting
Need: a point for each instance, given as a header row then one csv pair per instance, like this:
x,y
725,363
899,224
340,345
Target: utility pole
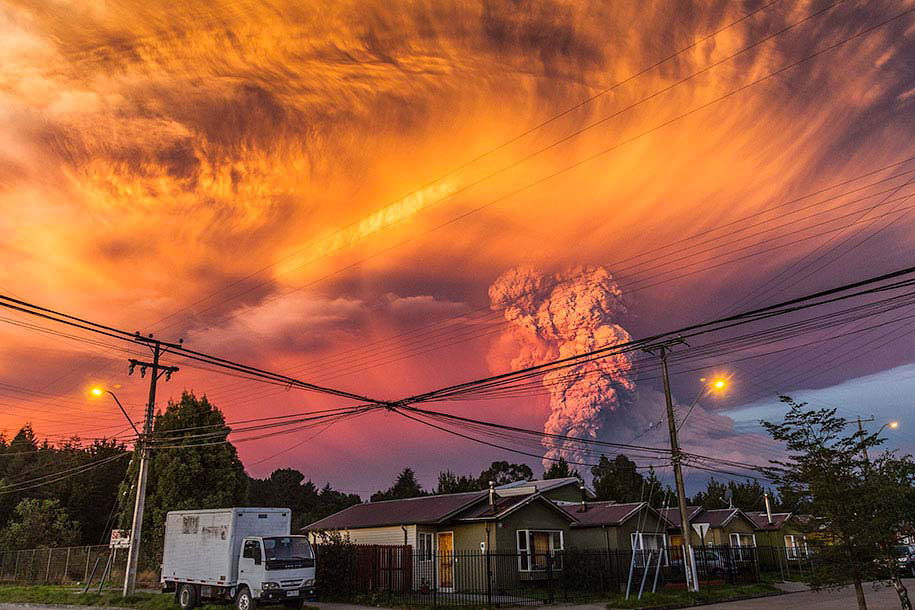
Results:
x,y
133,553
861,430
692,583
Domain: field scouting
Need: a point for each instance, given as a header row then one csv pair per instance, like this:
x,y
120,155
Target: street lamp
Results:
x,y
718,384
97,391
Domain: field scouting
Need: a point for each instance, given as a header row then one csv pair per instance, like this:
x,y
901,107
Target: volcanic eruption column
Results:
x,y
561,315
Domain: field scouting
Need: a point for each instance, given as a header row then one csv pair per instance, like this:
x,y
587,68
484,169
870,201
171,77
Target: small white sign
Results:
x,y
702,530
120,539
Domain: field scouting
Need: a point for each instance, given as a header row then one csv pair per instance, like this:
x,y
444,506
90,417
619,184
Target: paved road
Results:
x,y
884,598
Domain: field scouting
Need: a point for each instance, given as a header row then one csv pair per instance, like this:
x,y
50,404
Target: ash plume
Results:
x,y
560,315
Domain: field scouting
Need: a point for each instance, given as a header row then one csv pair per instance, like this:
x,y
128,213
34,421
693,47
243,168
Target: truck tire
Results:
x,y
187,596
244,600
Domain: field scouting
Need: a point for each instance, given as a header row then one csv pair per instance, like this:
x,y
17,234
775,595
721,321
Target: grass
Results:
x,y
60,595
683,599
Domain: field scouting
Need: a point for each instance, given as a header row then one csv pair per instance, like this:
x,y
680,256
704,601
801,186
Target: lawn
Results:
x,y
48,594
682,599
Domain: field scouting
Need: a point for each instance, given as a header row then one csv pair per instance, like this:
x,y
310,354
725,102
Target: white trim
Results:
x,y
527,552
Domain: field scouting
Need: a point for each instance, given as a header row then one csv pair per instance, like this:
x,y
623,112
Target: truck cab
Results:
x,y
275,569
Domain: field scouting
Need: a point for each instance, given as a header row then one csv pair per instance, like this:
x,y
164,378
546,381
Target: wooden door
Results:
x,y
446,560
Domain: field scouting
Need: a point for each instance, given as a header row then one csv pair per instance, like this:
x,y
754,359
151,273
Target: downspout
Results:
x,y
404,535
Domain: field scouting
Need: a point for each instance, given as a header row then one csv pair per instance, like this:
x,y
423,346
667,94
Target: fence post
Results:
x,y
32,564
551,597
66,567
47,572
435,560
488,577
16,569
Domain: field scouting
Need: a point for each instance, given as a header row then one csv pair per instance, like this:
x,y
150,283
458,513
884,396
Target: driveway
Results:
x,y
884,598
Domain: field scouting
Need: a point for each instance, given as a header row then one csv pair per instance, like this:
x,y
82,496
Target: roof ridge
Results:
x,y
460,493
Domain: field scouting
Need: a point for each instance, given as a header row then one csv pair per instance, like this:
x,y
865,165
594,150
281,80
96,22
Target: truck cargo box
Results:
x,y
202,546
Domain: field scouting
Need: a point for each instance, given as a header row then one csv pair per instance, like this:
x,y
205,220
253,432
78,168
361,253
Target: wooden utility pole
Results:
x,y
692,583
133,553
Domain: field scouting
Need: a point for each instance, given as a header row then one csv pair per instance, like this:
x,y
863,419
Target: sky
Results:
x,y
334,189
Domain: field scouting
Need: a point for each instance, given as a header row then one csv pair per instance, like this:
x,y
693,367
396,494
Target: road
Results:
x,y
884,598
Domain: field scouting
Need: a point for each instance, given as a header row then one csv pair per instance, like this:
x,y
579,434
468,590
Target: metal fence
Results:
x,y
398,575
63,565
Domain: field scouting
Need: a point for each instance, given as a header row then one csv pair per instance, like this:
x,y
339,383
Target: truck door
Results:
x,y
250,564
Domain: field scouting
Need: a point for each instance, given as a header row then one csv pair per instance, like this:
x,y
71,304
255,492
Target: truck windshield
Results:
x,y
287,547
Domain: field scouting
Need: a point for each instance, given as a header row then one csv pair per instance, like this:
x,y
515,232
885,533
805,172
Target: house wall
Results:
x,y
566,493
620,536
722,535
381,535
534,516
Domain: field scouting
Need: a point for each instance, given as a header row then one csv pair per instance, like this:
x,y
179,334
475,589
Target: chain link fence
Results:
x,y
63,565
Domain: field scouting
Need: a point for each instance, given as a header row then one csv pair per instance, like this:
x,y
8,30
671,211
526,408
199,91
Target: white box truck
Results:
x,y
241,554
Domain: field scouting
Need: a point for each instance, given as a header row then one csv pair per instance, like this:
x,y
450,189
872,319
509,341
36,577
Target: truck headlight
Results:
x,y
266,586
309,582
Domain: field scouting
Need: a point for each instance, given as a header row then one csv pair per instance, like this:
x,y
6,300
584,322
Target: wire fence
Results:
x,y
63,565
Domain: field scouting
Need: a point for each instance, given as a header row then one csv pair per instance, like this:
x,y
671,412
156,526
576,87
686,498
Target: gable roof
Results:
x,y
761,520
508,505
424,510
673,514
605,513
718,517
540,486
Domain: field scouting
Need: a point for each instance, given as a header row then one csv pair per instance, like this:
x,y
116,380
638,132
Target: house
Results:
x,y
781,530
612,526
722,526
519,524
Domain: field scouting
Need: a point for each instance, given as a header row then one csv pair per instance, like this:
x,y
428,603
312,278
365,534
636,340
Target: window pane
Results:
x,y
522,540
540,546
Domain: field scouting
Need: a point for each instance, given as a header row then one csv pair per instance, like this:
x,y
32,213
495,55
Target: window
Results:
x,y
252,550
536,546
189,525
744,544
796,547
426,546
645,544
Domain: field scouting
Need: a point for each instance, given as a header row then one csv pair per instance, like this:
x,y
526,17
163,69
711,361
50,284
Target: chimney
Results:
x,y
584,499
768,508
492,497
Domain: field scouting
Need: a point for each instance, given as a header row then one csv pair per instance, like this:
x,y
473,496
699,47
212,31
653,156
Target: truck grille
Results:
x,y
289,584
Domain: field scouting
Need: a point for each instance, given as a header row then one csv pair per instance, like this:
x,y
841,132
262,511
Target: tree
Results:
x,y
747,495
863,504
406,486
286,487
451,483
39,523
560,469
618,480
503,473
185,473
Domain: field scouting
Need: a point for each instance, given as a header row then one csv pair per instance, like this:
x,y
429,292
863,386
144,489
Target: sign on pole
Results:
x,y
120,539
702,530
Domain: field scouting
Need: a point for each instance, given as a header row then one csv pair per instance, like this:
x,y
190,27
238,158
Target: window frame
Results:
x,y
425,541
525,554
640,547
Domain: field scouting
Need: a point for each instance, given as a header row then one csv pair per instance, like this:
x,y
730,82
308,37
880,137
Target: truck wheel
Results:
x,y
244,600
187,596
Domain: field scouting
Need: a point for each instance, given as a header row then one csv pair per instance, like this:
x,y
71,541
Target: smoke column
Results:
x,y
555,316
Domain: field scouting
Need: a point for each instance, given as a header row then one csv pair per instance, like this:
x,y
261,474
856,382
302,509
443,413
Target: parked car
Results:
x,y
905,558
710,563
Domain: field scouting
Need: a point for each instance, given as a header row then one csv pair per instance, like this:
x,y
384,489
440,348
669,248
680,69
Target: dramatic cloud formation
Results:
x,y
331,187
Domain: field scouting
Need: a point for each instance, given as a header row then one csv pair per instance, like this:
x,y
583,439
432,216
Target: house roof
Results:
x,y
717,517
423,510
603,513
761,520
673,514
527,487
506,505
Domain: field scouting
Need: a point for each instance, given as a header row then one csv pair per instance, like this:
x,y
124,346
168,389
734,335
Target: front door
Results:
x,y
446,561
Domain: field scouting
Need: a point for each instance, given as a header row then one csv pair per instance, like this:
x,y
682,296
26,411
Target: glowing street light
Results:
x,y
97,391
894,424
717,384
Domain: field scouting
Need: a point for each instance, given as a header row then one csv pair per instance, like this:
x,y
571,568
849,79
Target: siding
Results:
x,y
381,535
620,535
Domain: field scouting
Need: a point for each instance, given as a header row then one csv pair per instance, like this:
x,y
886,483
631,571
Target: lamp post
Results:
x,y
99,391
717,384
